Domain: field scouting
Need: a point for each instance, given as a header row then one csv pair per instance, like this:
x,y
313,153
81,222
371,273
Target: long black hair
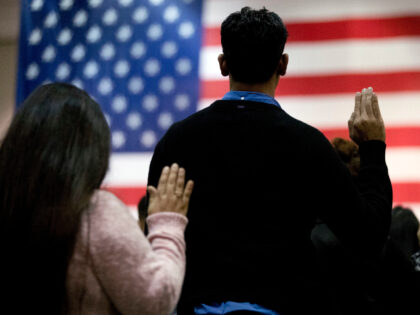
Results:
x,y
55,154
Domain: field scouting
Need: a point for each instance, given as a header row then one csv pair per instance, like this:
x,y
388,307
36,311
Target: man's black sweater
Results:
x,y
262,178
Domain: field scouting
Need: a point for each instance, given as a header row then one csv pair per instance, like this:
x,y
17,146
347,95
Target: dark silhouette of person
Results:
x,y
361,286
263,178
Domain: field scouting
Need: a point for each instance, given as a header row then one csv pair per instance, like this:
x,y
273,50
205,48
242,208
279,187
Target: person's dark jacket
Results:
x,y
262,178
384,286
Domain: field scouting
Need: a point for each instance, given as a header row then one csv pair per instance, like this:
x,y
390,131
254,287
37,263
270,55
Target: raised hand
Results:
x,y
366,121
170,195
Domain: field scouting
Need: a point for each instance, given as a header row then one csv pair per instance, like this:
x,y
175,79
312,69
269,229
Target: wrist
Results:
x,y
372,152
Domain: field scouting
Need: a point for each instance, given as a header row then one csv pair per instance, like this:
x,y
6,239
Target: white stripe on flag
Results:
x,y
331,111
335,57
128,169
215,11
400,163
132,169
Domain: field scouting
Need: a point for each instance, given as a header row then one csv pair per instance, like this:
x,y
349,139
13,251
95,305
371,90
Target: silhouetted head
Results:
x,y
253,43
404,227
55,154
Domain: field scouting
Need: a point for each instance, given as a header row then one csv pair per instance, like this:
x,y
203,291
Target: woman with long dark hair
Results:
x,y
66,246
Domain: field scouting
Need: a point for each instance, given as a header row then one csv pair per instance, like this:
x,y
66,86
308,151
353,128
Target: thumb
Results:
x,y
350,122
152,191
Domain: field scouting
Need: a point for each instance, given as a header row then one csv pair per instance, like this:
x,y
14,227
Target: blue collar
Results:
x,y
250,96
229,306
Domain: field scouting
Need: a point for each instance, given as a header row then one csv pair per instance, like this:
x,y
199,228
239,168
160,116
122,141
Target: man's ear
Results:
x,y
282,66
224,69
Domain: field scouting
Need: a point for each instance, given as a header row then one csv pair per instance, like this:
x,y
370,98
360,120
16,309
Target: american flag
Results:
x,y
152,62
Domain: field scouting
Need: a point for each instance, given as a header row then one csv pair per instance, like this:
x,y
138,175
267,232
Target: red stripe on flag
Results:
x,y
406,192
343,29
403,192
328,84
129,195
355,29
395,136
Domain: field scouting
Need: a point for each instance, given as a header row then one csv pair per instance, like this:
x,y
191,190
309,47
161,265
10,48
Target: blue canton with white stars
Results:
x,y
137,58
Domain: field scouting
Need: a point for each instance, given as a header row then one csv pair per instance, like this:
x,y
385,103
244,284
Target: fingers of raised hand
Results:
x,y
186,197
357,103
153,196
375,107
179,187
173,175
152,191
163,179
366,121
170,194
363,104
188,191
350,122
368,104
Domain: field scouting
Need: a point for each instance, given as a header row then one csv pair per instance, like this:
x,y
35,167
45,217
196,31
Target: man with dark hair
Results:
x,y
262,180
253,43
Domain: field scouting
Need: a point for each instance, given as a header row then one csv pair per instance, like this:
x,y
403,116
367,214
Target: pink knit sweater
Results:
x,y
115,269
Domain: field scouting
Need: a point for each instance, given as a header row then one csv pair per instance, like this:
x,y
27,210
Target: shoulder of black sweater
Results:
x,y
231,105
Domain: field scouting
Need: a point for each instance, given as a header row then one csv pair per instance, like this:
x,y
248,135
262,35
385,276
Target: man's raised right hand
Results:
x,y
366,121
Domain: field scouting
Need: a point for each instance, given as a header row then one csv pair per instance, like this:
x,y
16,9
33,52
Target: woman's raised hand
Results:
x,y
170,194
